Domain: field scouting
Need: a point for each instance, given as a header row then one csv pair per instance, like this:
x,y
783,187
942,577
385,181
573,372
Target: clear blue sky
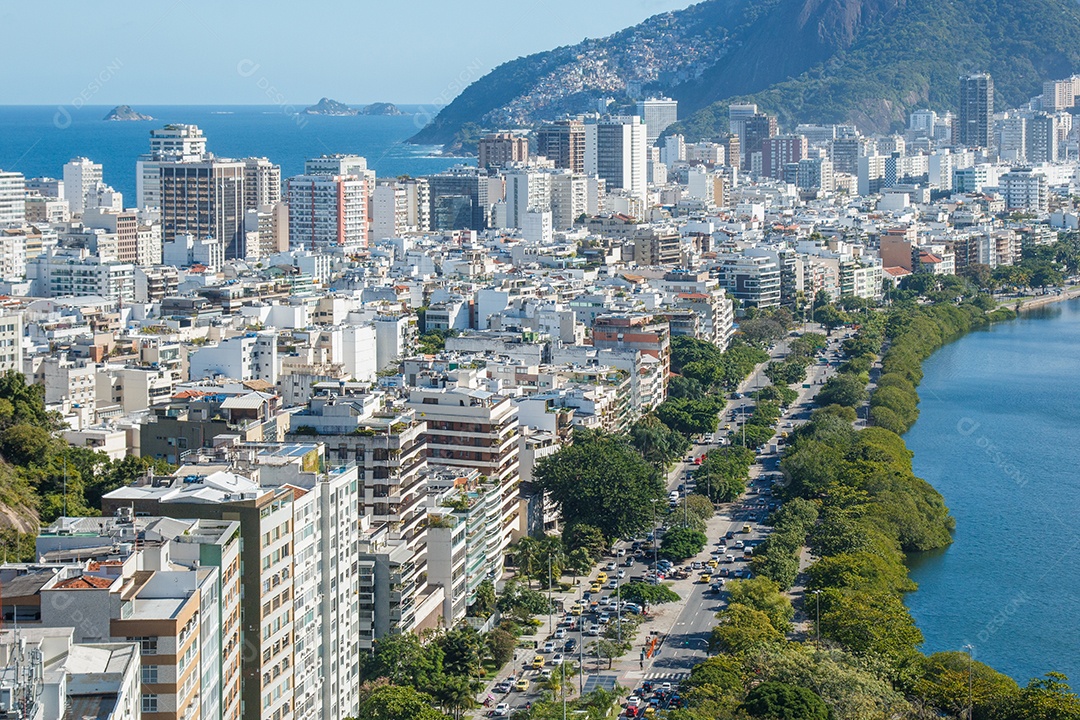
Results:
x,y
247,52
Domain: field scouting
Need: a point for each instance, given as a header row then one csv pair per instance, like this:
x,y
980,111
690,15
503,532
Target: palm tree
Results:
x,y
455,695
526,557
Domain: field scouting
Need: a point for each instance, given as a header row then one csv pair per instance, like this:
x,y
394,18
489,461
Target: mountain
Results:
x,y
862,61
124,112
326,106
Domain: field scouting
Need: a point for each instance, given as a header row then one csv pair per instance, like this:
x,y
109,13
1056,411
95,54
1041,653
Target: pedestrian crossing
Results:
x,y
668,676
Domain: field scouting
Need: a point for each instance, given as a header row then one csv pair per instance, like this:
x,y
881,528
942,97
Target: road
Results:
x,y
684,626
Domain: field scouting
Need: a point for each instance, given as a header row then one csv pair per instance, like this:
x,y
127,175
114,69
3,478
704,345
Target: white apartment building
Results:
x,y
252,356
172,143
81,179
1025,190
12,254
12,198
615,151
569,199
61,272
389,211
11,336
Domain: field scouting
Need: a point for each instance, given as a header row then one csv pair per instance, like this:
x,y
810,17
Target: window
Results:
x,y
149,674
148,645
149,703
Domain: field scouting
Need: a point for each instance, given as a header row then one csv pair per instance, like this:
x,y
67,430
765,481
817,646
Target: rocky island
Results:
x,y
125,112
326,106
381,108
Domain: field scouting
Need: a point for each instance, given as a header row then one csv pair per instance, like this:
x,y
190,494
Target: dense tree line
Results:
x,y
851,496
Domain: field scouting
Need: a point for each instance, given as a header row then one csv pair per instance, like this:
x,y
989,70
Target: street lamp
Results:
x,y
817,621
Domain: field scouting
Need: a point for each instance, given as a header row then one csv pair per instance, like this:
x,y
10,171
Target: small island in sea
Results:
x,y
381,108
326,106
126,113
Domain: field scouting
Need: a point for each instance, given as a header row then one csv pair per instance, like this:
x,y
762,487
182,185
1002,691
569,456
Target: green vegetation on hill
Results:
x,y
41,477
864,61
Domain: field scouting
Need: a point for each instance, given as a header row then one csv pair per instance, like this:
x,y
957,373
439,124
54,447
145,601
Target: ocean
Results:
x,y
999,437
38,140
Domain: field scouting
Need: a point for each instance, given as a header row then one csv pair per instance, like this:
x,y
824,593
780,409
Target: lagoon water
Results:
x,y
999,437
38,140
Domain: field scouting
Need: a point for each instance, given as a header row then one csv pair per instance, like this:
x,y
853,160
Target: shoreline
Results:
x,y
1038,301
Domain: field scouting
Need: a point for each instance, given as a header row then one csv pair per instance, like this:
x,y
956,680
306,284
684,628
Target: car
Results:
x,y
695,565
706,579
740,544
610,566
560,633
730,535
595,587
632,608
714,564
575,609
593,631
621,552
666,687
501,710
729,559
570,646
556,659
604,618
601,577
504,687
522,685
747,529
549,646
633,700
613,583
723,572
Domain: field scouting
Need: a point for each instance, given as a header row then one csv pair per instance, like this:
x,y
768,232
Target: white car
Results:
x,y
560,634
593,631
501,710
633,700
610,566
549,646
620,574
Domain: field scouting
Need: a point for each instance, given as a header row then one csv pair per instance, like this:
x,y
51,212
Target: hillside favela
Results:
x,y
540,361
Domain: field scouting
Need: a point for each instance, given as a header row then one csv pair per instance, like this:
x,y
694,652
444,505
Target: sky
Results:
x,y
243,52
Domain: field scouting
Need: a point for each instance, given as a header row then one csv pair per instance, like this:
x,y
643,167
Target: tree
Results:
x,y
24,444
579,562
870,624
603,481
723,672
847,390
393,702
609,649
583,536
500,646
723,473
740,629
526,554
645,594
522,602
454,694
697,505
763,594
462,649
831,317
1047,698
681,543
943,682
403,659
484,604
780,701
656,442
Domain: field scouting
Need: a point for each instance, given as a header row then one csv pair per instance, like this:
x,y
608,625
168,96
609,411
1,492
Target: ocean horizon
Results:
x,y
36,140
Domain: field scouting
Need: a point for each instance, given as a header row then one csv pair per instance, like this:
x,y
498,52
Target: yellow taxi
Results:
x,y
713,564
601,578
521,685
746,529
649,712
575,609
706,578
595,587
538,662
